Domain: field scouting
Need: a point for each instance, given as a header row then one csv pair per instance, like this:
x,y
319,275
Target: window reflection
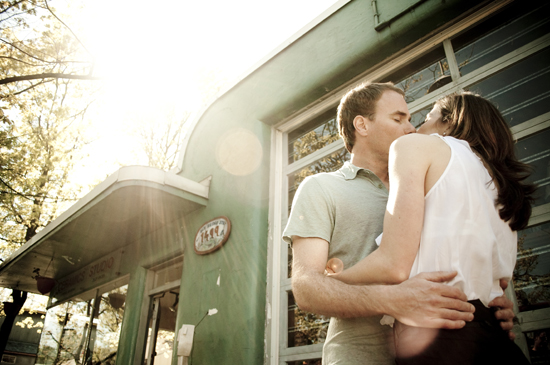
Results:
x,y
305,328
483,43
532,272
416,78
418,118
64,333
313,136
109,323
520,91
539,348
535,151
161,328
67,337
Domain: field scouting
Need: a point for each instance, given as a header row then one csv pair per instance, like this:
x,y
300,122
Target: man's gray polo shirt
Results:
x,y
346,209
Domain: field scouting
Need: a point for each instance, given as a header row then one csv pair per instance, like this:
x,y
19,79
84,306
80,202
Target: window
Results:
x,y
162,296
84,331
504,57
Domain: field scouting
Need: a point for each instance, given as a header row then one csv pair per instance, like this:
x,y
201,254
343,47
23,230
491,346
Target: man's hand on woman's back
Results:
x,y
425,301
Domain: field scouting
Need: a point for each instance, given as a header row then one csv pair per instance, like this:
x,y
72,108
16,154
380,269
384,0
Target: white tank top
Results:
x,y
463,230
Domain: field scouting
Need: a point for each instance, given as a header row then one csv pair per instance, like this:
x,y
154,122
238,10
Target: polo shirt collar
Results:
x,y
350,171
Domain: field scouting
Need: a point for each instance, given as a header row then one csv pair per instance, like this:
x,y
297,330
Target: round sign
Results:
x,y
212,235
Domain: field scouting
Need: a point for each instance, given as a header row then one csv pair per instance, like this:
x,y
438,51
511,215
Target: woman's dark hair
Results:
x,y
476,120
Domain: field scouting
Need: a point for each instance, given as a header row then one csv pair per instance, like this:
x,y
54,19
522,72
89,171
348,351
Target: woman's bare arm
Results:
x,y
409,162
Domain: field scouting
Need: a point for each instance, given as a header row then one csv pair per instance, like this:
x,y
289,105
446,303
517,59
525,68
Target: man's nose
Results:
x,y
410,128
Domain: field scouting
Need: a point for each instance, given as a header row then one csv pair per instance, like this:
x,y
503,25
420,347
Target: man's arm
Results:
x,y
420,301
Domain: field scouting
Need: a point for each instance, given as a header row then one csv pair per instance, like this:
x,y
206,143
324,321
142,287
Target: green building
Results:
x,y
134,262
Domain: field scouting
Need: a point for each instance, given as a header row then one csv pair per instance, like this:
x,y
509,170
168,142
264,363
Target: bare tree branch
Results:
x,y
48,75
25,90
18,60
13,190
12,6
24,52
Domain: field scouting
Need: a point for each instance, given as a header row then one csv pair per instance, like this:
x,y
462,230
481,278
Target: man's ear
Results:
x,y
361,125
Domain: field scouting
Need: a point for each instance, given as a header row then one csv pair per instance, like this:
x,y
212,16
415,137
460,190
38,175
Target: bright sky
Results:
x,y
156,55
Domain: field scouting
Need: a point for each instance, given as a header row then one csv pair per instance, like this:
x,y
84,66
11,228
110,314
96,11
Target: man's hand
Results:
x,y
423,301
505,312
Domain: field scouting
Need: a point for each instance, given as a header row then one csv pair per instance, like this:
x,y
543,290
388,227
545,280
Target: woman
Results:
x,y
457,198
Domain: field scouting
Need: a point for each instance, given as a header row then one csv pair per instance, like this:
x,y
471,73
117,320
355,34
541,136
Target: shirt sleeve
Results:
x,y
312,213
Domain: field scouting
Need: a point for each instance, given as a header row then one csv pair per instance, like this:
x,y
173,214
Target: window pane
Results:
x,y
416,78
162,327
304,328
539,349
532,272
535,151
326,164
521,91
64,335
108,325
312,136
417,118
497,37
168,274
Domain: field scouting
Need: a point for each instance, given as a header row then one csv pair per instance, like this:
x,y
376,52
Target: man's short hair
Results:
x,y
361,100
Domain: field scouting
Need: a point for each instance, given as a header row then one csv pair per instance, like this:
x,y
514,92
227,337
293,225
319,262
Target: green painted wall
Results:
x,y
235,335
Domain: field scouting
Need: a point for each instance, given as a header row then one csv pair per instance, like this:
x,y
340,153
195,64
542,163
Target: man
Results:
x,y
340,214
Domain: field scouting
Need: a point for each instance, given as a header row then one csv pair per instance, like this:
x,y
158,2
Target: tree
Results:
x,y
11,311
37,46
42,111
46,142
42,129
43,146
159,138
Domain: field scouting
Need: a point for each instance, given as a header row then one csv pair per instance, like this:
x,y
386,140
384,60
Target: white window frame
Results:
x,y
277,352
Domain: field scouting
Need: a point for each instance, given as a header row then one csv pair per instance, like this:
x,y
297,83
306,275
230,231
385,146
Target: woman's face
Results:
x,y
433,123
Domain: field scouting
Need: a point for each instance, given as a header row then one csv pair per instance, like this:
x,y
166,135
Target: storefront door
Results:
x,y
162,327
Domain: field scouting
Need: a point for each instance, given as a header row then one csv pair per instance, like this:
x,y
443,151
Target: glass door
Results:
x,y
162,328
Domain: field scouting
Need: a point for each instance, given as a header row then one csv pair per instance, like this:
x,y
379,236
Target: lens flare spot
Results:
x,y
239,152
334,266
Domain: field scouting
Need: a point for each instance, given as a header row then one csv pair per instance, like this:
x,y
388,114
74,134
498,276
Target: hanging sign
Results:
x,y
212,235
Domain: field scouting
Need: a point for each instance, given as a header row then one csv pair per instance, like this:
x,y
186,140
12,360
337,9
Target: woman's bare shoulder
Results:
x,y
418,141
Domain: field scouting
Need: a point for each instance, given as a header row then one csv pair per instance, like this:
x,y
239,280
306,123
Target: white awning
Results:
x,y
128,205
